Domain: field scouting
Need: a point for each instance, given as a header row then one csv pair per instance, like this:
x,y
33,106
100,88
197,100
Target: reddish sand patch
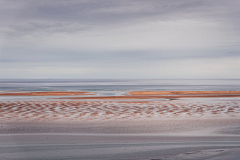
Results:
x,y
165,94
153,96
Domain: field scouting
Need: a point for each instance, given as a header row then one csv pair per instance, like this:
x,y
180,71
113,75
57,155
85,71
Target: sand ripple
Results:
x,y
100,110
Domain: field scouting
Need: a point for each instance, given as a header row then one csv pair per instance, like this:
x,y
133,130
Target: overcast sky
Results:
x,y
163,39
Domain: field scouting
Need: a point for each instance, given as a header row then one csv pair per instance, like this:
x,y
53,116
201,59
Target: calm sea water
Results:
x,y
116,85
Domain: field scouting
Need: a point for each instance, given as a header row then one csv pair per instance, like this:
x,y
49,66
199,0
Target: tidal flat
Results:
x,y
93,126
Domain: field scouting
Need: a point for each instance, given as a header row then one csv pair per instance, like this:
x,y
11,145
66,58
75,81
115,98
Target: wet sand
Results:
x,y
147,140
141,126
112,146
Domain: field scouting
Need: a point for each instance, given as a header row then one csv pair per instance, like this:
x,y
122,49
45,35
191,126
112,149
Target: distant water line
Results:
x,y
118,84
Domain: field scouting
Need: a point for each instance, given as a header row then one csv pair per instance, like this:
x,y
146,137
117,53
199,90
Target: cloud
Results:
x,y
127,24
120,33
108,13
191,68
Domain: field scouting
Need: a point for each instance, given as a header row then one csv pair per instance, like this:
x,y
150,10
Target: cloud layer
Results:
x,y
119,39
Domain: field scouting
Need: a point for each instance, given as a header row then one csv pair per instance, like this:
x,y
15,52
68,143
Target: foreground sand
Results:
x,y
149,125
146,140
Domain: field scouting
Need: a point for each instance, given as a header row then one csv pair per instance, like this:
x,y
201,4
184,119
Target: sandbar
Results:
x,y
163,94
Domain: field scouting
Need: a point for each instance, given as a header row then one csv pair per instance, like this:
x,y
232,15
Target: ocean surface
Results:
x,y
118,84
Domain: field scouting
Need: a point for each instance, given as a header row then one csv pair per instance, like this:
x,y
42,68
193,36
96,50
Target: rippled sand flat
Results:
x,y
112,110
120,127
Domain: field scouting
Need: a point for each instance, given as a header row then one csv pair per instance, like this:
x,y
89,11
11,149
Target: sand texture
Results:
x,y
142,125
101,147
111,110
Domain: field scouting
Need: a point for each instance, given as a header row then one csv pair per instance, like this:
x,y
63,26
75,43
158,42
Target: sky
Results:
x,y
126,39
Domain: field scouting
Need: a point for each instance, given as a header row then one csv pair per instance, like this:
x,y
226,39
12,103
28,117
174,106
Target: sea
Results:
x,y
111,85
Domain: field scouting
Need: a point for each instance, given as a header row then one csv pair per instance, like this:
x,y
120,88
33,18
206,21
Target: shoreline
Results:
x,y
131,94
40,93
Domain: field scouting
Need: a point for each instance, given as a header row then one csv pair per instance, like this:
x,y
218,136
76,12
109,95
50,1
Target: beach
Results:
x,y
120,80
134,125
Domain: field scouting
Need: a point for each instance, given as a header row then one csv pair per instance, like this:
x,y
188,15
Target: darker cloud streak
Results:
x,y
107,12
25,17
40,55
